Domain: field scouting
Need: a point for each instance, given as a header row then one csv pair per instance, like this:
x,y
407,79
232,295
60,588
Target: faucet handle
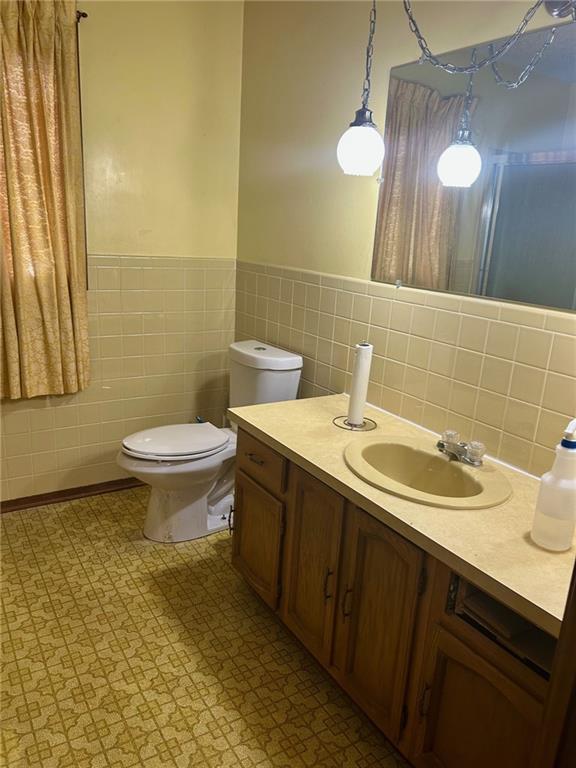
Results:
x,y
476,450
450,437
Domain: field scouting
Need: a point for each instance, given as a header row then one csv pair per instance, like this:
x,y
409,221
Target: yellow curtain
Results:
x,y
417,216
44,313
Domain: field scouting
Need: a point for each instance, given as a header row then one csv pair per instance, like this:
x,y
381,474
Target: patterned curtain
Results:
x,y
44,313
416,224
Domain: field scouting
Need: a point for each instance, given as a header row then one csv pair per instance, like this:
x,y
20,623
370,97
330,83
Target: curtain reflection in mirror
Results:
x,y
417,216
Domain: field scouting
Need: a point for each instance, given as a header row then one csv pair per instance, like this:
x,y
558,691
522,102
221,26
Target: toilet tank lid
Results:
x,y
257,354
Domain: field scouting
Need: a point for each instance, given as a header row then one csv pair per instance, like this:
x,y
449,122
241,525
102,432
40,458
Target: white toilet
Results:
x,y
190,467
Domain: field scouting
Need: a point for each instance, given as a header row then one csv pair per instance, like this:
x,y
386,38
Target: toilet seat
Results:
x,y
176,442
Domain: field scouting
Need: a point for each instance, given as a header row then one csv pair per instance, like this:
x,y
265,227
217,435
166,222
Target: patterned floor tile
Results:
x,y
119,652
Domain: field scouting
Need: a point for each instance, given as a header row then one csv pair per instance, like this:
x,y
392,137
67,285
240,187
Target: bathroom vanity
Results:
x,y
440,623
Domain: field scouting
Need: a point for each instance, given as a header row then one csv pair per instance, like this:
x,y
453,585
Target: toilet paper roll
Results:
x,y
359,388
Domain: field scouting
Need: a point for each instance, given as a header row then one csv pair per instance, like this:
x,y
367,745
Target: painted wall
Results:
x,y
161,105
302,78
498,372
161,122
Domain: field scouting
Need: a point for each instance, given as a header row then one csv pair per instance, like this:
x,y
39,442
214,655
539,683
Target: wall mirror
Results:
x,y
512,234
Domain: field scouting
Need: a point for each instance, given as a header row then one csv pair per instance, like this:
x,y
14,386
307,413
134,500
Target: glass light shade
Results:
x,y
360,150
459,165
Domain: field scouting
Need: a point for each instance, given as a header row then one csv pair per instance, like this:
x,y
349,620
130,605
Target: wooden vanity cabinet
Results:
x,y
370,601
259,516
471,713
257,541
352,590
381,581
314,521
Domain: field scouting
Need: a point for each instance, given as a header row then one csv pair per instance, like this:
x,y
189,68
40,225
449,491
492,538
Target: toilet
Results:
x,y
190,467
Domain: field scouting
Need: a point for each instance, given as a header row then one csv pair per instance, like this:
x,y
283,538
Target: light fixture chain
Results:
x,y
527,71
369,55
466,116
452,69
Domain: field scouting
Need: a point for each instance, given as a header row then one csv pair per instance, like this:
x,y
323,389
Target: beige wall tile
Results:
x,y
362,308
401,317
438,390
423,322
527,384
415,382
490,408
418,352
541,460
560,393
496,375
551,426
502,340
442,358
468,366
533,347
473,333
380,314
563,355
515,450
520,419
463,399
397,348
447,327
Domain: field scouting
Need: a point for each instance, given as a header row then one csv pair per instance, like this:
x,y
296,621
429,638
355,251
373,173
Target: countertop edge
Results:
x,y
538,616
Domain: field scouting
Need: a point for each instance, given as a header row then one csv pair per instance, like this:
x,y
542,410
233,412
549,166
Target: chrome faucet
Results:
x,y
458,450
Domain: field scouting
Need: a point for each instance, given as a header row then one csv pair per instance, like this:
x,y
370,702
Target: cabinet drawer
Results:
x,y
261,463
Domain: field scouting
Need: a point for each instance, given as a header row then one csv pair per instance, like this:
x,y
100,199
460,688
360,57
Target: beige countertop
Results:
x,y
489,547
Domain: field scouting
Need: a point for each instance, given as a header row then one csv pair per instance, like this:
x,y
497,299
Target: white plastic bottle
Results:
x,y
555,516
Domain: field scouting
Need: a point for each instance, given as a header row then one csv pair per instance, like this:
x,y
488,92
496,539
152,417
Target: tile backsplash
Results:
x,y
159,333
160,327
497,372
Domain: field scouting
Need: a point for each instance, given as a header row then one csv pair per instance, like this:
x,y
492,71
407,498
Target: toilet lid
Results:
x,y
176,441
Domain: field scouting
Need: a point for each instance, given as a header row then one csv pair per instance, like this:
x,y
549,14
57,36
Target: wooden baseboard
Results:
x,y
27,502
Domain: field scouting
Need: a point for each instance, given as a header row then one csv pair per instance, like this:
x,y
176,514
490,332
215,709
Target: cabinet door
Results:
x,y
472,714
257,538
380,586
313,534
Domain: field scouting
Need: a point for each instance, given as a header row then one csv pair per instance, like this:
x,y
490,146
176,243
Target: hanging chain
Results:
x,y
527,71
466,117
452,69
369,55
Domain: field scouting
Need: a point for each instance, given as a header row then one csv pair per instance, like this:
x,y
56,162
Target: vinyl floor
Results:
x,y
121,652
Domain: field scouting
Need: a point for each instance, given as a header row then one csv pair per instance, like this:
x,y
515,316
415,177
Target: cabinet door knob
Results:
x,y
345,611
255,458
327,595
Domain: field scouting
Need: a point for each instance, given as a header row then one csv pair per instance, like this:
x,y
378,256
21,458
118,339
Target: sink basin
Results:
x,y
422,474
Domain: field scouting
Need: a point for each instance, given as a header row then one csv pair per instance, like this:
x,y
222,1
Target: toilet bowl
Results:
x,y
190,468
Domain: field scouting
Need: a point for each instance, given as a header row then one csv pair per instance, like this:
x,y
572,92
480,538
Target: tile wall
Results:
x,y
501,373
159,332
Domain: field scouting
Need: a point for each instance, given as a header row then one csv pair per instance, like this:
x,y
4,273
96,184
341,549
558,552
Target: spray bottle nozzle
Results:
x,y
569,439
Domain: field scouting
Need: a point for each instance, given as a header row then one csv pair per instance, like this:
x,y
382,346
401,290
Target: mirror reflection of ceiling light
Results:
x,y
460,163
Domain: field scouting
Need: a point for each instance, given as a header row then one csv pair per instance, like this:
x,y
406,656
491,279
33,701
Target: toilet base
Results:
x,y
179,515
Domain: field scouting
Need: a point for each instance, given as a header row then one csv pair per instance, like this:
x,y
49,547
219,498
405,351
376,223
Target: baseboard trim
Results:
x,y
67,494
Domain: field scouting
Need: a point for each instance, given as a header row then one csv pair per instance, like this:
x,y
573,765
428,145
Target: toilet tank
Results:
x,y
260,373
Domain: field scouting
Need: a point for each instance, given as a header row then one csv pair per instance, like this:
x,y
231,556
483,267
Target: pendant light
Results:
x,y
360,150
460,163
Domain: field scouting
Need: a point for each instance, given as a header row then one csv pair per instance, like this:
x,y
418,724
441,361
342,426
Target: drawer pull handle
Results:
x,y
345,610
327,595
255,458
